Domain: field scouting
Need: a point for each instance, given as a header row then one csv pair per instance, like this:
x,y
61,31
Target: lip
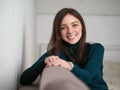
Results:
x,y
71,36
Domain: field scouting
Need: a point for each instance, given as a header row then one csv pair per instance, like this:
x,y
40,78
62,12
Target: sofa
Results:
x,y
111,75
51,79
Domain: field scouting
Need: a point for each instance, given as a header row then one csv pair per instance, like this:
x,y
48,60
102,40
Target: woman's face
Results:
x,y
71,29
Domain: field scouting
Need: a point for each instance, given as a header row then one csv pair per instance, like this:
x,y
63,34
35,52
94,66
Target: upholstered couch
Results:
x,y
111,75
51,79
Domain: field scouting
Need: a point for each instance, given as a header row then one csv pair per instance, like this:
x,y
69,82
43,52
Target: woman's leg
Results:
x,y
58,78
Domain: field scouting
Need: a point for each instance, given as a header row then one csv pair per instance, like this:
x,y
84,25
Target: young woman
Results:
x,y
68,49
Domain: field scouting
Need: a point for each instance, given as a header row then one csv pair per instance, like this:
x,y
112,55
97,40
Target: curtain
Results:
x,y
17,40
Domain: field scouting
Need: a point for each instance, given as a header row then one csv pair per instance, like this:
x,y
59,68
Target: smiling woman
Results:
x,y
69,52
71,29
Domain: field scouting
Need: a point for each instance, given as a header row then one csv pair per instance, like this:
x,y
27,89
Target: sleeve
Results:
x,y
30,74
93,65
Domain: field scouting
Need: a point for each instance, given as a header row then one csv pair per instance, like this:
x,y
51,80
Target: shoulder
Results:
x,y
96,46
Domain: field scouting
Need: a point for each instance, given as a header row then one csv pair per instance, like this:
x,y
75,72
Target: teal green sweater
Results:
x,y
91,73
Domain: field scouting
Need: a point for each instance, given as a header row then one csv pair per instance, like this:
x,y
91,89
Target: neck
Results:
x,y
73,47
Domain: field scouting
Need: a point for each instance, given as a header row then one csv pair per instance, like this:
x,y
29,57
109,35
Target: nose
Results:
x,y
70,30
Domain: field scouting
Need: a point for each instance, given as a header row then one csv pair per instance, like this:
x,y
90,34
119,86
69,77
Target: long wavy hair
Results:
x,y
56,43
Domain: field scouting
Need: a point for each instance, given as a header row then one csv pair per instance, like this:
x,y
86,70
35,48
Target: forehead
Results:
x,y
69,18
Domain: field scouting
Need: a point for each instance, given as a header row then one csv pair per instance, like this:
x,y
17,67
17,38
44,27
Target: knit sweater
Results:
x,y
91,73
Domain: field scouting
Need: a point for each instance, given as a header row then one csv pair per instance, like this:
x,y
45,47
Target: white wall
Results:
x,y
10,43
102,20
16,30
104,7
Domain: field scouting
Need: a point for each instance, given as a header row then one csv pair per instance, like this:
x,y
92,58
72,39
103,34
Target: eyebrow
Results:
x,y
75,22
71,23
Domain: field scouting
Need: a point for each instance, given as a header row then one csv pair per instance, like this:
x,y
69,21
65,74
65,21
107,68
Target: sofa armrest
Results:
x,y
29,87
59,78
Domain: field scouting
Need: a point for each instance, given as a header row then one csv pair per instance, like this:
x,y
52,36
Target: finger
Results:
x,y
56,57
48,59
49,65
51,59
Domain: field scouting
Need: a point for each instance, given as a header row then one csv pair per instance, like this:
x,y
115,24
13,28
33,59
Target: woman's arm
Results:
x,y
30,74
93,66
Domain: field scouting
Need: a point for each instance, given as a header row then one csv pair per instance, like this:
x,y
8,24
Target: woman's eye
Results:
x,y
61,28
74,25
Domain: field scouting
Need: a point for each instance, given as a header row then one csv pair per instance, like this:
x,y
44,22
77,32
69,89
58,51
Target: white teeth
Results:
x,y
71,36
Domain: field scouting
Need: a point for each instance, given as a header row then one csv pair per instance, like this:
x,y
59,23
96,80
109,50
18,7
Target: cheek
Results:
x,y
80,31
63,33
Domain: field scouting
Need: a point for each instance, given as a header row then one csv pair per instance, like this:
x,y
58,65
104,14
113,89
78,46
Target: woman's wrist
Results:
x,y
71,64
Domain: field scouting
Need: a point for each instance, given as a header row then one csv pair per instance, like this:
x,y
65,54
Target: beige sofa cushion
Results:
x,y
30,87
112,74
59,78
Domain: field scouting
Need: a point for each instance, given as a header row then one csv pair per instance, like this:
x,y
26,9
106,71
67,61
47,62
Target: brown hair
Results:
x,y
56,43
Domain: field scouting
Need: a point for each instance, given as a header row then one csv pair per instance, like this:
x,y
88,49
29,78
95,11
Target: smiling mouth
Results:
x,y
71,36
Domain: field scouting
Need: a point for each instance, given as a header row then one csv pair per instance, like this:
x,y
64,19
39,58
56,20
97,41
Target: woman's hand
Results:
x,y
56,61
